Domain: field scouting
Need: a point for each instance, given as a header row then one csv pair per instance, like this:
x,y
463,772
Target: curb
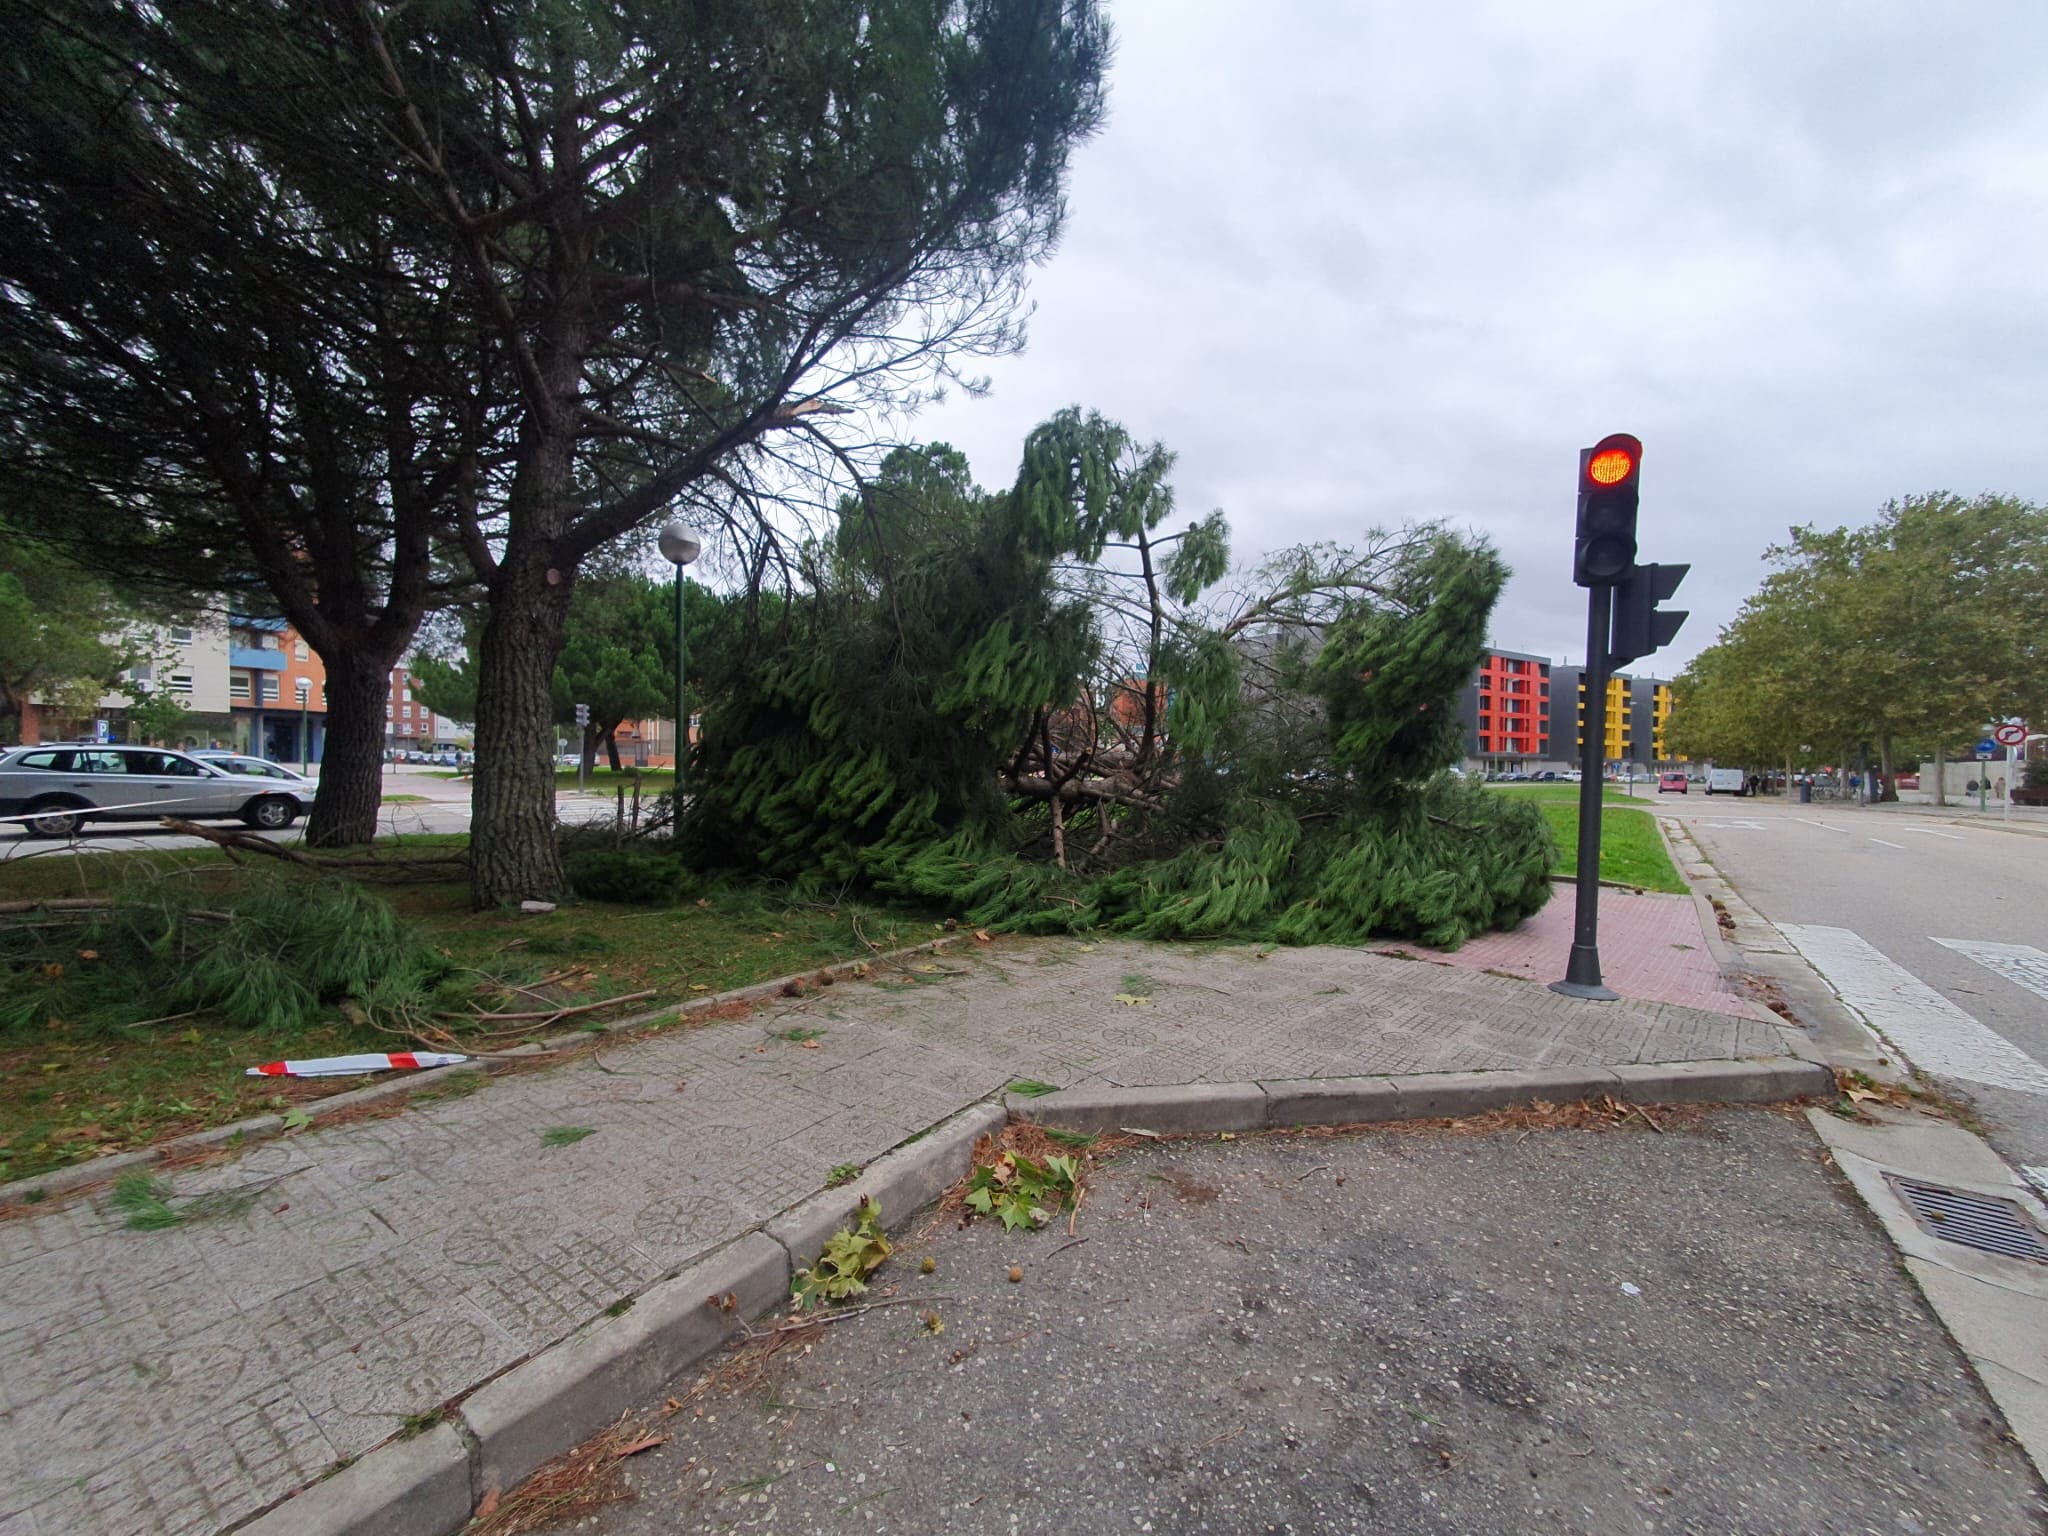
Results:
x,y
266,1127
554,1400
1282,1104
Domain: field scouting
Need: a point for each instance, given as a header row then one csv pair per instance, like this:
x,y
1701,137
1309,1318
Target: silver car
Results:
x,y
56,788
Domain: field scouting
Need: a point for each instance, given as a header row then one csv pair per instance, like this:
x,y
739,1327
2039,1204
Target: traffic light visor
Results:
x,y
1610,466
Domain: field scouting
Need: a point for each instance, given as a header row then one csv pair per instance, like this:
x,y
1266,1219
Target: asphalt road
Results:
x,y
1698,1330
430,804
1935,926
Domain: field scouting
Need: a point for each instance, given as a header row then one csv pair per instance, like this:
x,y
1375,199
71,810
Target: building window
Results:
x,y
179,682
407,711
238,685
388,711
298,650
180,635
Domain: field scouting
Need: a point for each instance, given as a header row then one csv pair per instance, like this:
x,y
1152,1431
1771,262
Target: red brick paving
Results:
x,y
1651,948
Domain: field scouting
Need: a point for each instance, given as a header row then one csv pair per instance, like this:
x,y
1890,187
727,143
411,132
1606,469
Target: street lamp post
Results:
x,y
680,545
305,687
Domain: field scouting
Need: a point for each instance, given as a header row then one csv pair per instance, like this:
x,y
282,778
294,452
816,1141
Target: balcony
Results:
x,y
260,661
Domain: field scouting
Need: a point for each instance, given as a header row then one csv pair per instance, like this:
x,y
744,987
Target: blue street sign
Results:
x,y
1987,748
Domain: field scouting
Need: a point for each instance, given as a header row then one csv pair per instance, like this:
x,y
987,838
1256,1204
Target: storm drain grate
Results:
x,y
1975,1221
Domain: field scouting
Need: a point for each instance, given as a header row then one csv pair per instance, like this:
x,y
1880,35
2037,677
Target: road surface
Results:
x,y
1932,927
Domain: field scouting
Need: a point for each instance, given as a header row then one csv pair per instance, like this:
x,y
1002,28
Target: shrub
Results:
x,y
636,876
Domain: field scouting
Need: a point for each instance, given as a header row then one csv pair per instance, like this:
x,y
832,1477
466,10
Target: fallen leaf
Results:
x,y
698,986
981,936
1132,1000
809,1045
639,1445
88,954
1016,1274
1863,1095
487,1505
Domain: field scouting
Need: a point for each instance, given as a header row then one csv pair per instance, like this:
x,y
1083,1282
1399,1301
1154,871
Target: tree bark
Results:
x,y
513,856
1890,789
352,767
1941,773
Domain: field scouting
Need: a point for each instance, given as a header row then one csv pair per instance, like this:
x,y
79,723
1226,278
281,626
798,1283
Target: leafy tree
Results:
x,y
369,306
154,714
445,684
54,621
611,659
230,361
1915,628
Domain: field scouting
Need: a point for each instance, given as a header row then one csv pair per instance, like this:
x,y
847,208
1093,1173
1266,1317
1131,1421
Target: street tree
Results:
x,y
229,361
694,235
1910,631
364,307
59,631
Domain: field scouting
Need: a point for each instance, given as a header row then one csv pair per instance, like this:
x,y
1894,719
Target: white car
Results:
x,y
54,789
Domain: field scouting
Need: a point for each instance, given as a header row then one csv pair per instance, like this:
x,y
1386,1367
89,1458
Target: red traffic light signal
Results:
x,y
1609,471
1612,461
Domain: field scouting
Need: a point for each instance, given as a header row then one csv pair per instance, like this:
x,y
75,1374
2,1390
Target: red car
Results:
x,y
1673,781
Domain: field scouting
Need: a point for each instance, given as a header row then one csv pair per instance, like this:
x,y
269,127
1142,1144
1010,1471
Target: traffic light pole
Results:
x,y
1582,971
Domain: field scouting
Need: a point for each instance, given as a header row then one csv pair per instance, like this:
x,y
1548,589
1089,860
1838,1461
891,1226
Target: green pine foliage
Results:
x,y
271,954
899,734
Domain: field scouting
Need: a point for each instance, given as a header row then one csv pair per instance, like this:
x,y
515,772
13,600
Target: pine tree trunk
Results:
x,y
1941,773
1884,757
352,767
513,856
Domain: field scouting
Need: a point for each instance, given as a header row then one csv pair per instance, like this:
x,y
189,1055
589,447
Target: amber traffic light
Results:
x,y
1605,549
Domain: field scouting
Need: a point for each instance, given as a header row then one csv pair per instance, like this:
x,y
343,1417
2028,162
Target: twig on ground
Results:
x,y
836,1315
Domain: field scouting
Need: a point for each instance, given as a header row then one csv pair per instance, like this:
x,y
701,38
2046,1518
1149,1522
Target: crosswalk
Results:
x,y
1923,1026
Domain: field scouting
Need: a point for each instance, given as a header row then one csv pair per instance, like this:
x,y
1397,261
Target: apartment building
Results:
x,y
1506,711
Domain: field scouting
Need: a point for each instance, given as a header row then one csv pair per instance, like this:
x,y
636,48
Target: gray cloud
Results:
x,y
1364,263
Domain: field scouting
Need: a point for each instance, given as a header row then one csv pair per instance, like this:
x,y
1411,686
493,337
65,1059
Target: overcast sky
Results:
x,y
1361,263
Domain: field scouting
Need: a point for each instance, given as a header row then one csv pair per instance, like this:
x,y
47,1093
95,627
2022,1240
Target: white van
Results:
x,y
1727,781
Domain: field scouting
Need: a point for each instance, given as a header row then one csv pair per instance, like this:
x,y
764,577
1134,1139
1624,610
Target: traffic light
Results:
x,y
1609,473
1639,628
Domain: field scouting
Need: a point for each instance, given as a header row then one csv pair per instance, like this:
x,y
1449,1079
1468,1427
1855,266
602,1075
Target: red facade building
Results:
x,y
1511,706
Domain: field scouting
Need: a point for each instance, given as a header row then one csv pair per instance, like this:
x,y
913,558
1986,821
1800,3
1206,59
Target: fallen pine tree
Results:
x,y
1043,711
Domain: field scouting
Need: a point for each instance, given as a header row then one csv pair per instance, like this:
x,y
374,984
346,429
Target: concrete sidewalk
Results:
x,y
360,1275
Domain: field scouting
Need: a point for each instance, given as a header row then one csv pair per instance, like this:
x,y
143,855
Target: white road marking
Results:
x,y
2021,964
1900,846
1922,1025
1954,837
1827,825
1752,826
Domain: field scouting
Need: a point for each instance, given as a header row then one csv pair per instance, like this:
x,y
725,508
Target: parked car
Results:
x,y
1912,781
1674,782
1727,781
55,790
257,768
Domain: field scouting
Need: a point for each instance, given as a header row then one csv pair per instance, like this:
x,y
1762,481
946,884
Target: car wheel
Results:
x,y
53,818
273,813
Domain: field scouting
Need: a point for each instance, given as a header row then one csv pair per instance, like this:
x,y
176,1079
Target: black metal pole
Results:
x,y
1582,971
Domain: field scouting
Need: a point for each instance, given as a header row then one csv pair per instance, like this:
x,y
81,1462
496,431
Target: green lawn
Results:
x,y
1631,852
72,1089
653,781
